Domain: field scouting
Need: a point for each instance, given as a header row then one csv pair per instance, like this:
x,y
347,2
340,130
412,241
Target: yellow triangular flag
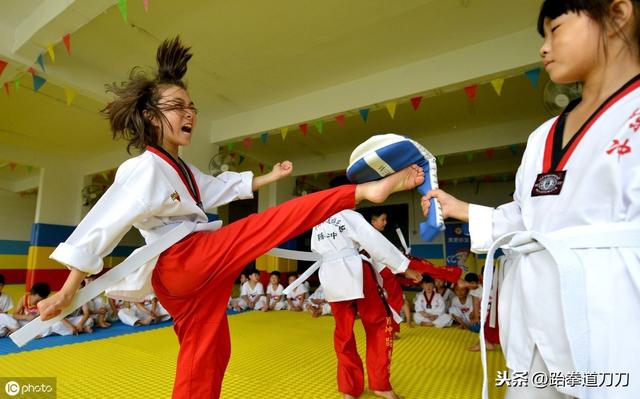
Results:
x,y
497,85
52,55
391,107
283,132
70,94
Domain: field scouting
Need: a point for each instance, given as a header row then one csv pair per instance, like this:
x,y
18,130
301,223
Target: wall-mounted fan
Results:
x,y
91,194
556,96
221,162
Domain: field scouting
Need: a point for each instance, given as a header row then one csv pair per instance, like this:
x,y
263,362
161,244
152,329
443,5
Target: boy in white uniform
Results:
x,y
6,303
252,294
429,306
461,307
274,292
295,299
317,304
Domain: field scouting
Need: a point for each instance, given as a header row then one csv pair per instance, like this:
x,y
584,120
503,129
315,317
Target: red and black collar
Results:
x,y
182,170
556,157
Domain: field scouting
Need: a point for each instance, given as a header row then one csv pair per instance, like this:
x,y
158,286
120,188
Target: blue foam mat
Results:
x,y
117,328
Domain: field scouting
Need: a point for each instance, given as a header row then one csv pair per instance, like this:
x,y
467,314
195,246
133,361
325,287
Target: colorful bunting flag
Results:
x,y
38,82
16,84
31,71
67,42
6,87
240,160
490,152
303,128
391,108
3,65
230,146
514,149
472,180
319,125
415,102
440,159
12,166
40,61
145,4
469,156
52,54
122,6
246,142
340,120
471,92
455,182
264,137
534,76
497,85
70,94
261,165
364,114
283,132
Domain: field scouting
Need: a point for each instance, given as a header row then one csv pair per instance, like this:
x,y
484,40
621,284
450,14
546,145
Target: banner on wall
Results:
x,y
457,247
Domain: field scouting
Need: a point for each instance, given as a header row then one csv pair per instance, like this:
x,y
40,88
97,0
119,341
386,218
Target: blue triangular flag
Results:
x,y
534,76
38,81
514,149
40,61
264,137
364,114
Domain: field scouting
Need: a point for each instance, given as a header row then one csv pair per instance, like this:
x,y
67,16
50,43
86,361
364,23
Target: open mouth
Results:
x,y
187,128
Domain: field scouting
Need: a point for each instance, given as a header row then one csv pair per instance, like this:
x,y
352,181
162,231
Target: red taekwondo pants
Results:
x,y
378,330
193,280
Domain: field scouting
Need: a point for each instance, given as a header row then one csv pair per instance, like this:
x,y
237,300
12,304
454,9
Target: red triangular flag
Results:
x,y
490,152
415,102
247,142
261,165
6,87
3,65
340,119
13,165
303,128
471,92
31,71
67,42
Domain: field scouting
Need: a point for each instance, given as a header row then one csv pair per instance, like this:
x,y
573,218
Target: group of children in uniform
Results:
x,y
99,312
253,297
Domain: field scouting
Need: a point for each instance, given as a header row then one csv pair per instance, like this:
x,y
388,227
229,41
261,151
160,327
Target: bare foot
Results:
x,y
387,394
347,396
474,348
378,191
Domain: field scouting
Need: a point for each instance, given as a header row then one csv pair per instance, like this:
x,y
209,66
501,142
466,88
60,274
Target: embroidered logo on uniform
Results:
x,y
620,148
175,196
548,183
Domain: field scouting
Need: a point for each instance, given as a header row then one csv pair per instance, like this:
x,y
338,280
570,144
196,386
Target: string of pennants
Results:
x,y
37,79
471,91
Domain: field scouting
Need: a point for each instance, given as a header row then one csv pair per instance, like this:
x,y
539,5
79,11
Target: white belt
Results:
x,y
560,244
136,260
343,253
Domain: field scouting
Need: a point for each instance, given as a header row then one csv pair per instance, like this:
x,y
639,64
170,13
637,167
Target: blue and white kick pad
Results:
x,y
384,154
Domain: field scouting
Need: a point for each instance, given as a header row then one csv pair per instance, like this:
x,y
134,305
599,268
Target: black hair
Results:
x,y
427,279
294,274
471,278
275,273
598,10
377,212
41,289
252,271
1,279
137,100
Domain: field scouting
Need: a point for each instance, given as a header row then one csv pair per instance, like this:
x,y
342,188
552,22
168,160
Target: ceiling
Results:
x,y
248,55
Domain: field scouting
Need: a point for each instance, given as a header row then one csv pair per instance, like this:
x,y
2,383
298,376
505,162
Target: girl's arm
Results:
x,y
280,170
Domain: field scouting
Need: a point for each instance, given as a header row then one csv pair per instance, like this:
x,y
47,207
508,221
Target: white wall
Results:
x,y
17,215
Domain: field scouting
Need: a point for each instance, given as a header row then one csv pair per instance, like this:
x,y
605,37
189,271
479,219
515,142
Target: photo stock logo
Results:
x,y
28,387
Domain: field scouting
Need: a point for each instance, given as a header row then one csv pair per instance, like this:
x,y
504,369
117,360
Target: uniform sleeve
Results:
x,y
244,290
224,188
418,303
438,306
260,289
102,229
486,224
372,241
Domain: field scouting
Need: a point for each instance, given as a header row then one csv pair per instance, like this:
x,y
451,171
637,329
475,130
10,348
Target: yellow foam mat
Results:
x,y
274,355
